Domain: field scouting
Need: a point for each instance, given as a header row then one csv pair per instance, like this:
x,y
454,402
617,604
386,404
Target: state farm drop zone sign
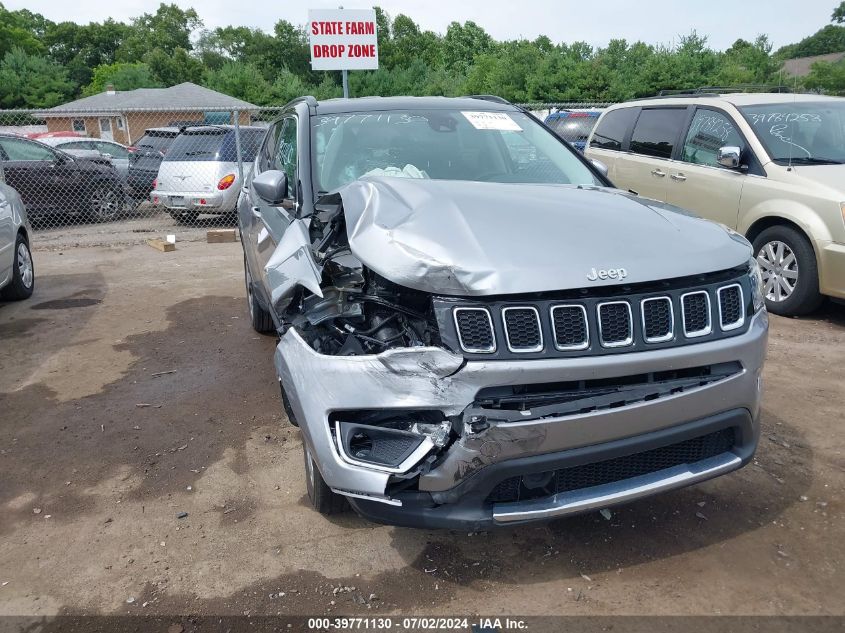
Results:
x,y
343,39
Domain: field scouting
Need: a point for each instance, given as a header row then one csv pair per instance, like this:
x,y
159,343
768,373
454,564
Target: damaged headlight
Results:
x,y
756,280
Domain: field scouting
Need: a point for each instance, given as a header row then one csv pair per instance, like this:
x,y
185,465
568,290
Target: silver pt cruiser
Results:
x,y
476,329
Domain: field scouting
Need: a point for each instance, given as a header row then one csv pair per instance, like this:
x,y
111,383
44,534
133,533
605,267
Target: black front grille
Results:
x,y
539,485
657,318
570,326
522,326
597,321
696,313
730,306
615,323
474,329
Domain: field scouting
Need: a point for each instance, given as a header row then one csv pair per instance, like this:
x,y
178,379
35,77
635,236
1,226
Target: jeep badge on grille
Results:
x,y
610,273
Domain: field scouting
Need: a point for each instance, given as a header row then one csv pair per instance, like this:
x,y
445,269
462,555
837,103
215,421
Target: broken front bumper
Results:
x,y
455,491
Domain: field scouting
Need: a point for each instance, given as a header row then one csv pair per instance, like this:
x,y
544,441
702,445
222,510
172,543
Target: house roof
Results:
x,y
183,96
800,66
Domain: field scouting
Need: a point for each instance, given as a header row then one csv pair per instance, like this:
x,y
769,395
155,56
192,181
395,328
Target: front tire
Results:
x,y
105,203
790,273
322,499
23,273
260,318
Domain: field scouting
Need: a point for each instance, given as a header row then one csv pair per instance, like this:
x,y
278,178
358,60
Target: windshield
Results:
x,y
808,133
442,145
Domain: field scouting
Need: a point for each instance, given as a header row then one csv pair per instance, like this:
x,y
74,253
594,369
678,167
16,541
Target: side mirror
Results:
x,y
600,166
729,156
271,186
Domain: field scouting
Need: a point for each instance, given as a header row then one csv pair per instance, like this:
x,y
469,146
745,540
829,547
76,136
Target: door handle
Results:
x,y
679,177
256,212
658,173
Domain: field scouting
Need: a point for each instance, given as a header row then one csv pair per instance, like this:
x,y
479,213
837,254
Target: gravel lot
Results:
x,y
132,389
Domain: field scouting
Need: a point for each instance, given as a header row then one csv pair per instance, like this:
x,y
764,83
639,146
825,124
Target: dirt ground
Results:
x,y
132,390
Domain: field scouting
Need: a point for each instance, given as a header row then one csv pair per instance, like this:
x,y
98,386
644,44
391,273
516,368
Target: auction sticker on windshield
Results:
x,y
492,121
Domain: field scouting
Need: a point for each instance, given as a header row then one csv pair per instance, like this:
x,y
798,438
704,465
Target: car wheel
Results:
x,y
23,273
790,273
105,203
322,499
186,218
261,320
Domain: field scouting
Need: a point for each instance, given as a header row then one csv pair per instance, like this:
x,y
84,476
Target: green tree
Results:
x,y
240,80
168,29
829,39
122,76
21,29
463,42
826,77
32,81
839,13
174,68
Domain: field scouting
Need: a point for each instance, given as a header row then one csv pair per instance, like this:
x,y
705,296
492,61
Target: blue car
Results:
x,y
574,127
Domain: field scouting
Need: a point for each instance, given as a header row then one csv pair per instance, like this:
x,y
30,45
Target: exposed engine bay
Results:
x,y
359,311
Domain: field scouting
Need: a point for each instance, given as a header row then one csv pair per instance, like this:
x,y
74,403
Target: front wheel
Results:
x,y
261,320
322,499
105,203
23,273
790,273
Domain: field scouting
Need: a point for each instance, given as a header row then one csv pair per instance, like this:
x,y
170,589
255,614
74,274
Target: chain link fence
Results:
x,y
94,177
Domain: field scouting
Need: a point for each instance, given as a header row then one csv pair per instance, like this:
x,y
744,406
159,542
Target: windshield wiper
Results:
x,y
806,160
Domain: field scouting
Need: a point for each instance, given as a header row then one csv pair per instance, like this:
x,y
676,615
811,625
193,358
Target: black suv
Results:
x,y
51,181
145,158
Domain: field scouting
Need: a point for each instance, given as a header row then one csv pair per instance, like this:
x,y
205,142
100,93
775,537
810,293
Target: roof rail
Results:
x,y
309,99
715,91
493,98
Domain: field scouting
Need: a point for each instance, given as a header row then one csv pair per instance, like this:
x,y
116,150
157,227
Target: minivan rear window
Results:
x,y
214,145
612,129
155,142
656,131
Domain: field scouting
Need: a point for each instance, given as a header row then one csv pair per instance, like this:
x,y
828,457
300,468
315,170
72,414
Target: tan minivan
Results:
x,y
770,166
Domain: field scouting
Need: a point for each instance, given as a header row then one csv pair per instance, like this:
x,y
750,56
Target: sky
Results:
x,y
596,22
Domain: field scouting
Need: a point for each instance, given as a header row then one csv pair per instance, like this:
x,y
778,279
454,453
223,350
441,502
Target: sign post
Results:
x,y
343,39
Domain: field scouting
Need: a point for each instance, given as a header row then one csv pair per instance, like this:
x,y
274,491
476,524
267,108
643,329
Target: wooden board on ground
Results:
x,y
161,245
216,236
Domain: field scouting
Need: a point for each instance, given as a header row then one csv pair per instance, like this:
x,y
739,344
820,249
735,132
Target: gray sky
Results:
x,y
597,21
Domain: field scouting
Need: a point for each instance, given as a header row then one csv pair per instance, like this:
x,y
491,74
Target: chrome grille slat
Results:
x,y
523,331
695,313
731,307
616,324
475,330
570,326
657,311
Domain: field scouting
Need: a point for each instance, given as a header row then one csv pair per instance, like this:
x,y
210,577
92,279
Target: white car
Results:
x,y
199,171
17,272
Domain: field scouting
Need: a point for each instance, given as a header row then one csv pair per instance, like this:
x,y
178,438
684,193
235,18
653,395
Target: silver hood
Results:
x,y
473,239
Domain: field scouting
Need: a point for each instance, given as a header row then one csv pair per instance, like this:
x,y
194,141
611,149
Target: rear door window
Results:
x,y
611,131
657,130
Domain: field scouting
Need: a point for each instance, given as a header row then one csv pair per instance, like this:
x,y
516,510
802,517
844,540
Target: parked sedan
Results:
x,y
118,154
51,181
17,272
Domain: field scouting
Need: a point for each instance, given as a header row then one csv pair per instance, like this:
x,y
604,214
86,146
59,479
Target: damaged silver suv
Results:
x,y
477,329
